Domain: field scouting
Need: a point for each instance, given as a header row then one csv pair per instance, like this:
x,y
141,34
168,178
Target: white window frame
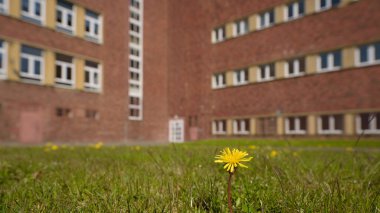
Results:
x,y
242,75
296,68
92,86
318,5
331,130
242,25
31,64
330,62
243,127
63,81
373,128
176,130
297,127
30,13
371,52
266,20
65,12
4,53
217,34
4,7
267,76
92,22
217,127
296,11
217,80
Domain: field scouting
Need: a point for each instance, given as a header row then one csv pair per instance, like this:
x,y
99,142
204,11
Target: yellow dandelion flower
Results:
x,y
98,145
232,159
273,154
54,147
137,148
253,147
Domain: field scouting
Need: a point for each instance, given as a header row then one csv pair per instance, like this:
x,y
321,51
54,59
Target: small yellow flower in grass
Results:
x,y
54,147
253,147
349,149
98,145
273,154
232,159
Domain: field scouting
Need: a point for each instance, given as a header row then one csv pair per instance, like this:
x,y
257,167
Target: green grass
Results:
x,y
184,178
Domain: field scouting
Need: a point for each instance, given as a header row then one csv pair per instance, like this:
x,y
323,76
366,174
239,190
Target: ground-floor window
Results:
x,y
330,124
295,125
219,127
241,127
369,123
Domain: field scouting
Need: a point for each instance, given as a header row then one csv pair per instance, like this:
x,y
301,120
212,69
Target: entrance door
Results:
x,y
176,130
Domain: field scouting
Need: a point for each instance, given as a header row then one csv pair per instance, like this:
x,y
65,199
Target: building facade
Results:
x,y
175,70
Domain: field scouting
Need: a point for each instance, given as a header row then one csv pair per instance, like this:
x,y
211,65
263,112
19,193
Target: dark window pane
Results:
x,y
262,19
25,5
31,50
302,64
301,7
291,66
96,29
92,64
87,77
69,72
58,71
325,122
303,123
324,61
37,67
291,124
335,2
338,122
271,17
87,26
272,70
337,59
377,51
1,61
96,78
363,53
364,121
323,3
290,10
24,65
377,120
262,71
247,125
69,20
37,9
59,16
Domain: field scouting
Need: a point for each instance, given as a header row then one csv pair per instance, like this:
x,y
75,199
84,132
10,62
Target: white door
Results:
x,y
176,130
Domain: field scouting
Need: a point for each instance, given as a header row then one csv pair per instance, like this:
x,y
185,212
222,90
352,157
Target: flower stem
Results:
x,y
229,192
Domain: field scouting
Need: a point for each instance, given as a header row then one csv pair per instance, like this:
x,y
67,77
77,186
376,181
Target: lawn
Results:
x,y
284,176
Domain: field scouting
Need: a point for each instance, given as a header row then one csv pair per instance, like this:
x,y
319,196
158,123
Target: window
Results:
x,y
92,76
241,127
240,27
368,122
241,77
295,67
65,16
219,34
134,28
295,10
93,26
32,64
219,127
33,11
219,80
92,114
368,54
134,39
329,61
266,72
266,19
3,59
322,5
266,126
135,4
135,107
135,16
64,70
63,112
295,125
134,52
4,6
330,124
134,64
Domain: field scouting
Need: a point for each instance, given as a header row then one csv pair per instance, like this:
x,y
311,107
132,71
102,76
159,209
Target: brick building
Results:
x,y
144,70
